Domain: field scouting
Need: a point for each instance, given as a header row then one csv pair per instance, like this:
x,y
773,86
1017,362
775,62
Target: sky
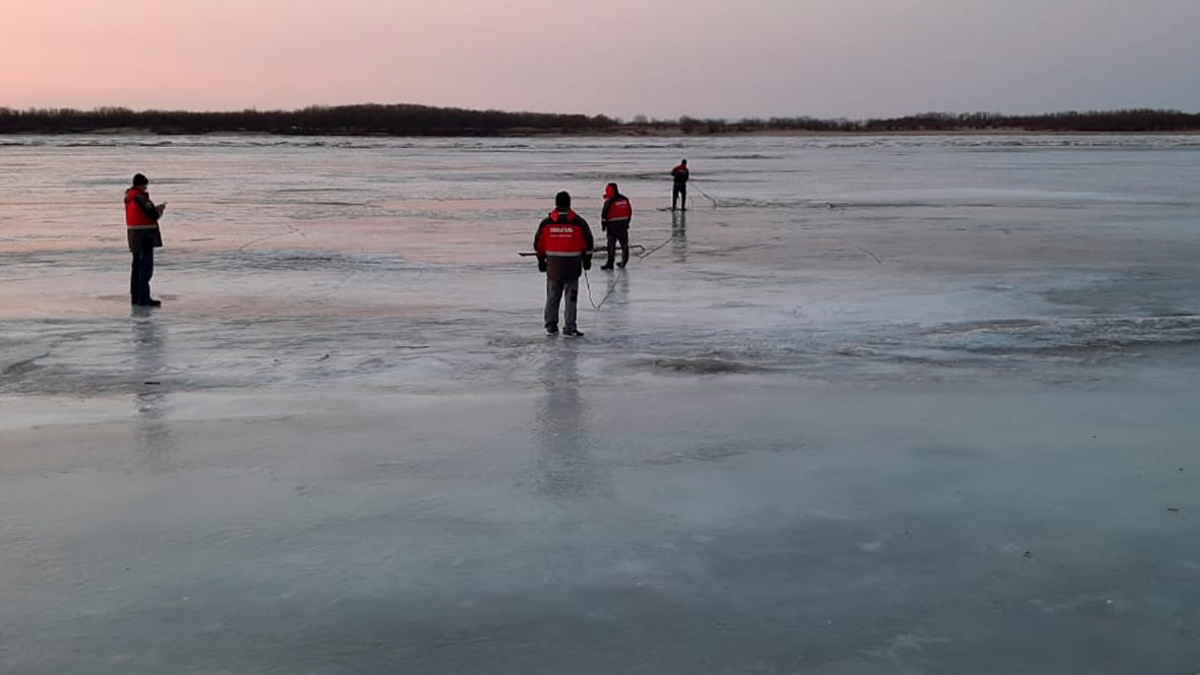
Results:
x,y
662,59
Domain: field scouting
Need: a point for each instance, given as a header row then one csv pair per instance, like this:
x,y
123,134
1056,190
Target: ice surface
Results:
x,y
910,404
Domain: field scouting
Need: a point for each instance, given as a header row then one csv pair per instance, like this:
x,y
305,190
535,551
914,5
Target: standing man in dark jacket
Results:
x,y
564,249
141,225
679,191
614,219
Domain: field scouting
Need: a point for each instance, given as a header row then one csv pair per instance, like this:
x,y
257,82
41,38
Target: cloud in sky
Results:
x,y
719,58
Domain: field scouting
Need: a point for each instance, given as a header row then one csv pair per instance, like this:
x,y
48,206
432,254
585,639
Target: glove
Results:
x,y
587,262
603,227
541,264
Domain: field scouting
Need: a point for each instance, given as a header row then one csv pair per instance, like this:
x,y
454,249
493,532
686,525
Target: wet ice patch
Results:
x,y
976,342
310,261
16,362
701,366
517,340
1066,335
874,545
699,454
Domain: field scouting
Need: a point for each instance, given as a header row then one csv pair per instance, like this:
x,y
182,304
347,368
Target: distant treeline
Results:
x,y
392,120
419,120
1091,121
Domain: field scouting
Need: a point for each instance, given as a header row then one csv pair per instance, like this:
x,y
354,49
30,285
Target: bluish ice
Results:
x,y
905,404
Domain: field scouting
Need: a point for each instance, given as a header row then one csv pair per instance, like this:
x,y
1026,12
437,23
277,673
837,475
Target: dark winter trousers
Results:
x,y
617,234
139,276
554,295
679,193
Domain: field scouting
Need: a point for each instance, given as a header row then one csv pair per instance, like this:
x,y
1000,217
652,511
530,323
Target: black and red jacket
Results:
x,y
140,212
617,211
563,240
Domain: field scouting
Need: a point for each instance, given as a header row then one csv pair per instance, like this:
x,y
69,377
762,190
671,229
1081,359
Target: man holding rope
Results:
x,y
680,174
564,246
142,233
614,219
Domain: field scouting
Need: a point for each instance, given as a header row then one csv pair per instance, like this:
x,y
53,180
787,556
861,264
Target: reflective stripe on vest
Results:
x,y
619,209
564,238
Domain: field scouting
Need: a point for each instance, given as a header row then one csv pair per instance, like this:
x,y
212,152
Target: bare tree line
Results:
x,y
419,120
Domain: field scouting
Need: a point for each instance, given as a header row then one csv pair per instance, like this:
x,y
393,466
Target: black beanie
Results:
x,y
562,200
140,179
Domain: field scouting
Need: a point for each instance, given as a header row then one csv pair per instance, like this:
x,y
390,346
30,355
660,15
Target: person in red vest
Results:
x,y
141,226
679,191
564,249
614,219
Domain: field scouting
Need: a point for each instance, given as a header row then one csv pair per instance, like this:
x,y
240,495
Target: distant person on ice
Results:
x,y
679,191
614,219
141,221
564,249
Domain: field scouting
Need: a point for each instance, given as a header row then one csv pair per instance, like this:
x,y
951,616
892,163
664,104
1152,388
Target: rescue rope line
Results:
x,y
664,242
292,229
612,285
701,191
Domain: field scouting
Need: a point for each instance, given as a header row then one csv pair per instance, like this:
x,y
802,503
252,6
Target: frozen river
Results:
x,y
872,405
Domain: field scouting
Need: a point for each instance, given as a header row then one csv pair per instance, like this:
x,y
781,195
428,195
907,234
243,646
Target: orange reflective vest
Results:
x,y
562,237
135,216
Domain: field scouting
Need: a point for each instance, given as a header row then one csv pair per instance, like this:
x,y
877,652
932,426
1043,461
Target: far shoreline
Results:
x,y
416,121
622,133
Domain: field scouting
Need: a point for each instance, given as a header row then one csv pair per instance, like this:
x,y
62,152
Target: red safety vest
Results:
x,y
135,217
619,210
562,237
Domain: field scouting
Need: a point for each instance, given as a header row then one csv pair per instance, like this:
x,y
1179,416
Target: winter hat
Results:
x,y
562,200
140,179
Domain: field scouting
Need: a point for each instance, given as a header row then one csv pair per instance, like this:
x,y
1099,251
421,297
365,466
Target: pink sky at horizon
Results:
x,y
707,58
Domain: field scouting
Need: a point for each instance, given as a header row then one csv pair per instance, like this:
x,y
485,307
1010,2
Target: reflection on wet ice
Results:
x,y
679,235
565,463
154,444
